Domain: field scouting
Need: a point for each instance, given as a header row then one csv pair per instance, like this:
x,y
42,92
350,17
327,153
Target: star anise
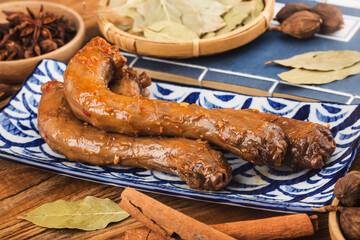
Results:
x,y
15,25
14,18
27,35
37,25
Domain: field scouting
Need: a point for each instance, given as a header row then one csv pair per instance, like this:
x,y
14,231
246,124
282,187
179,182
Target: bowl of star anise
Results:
x,y
33,30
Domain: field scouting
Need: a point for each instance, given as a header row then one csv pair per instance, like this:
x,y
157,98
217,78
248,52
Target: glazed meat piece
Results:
x,y
310,144
195,162
131,84
86,88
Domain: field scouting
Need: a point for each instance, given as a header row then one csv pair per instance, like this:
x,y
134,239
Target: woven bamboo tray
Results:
x,y
187,49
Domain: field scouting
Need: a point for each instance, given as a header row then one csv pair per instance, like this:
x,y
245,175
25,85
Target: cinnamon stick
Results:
x,y
284,227
164,220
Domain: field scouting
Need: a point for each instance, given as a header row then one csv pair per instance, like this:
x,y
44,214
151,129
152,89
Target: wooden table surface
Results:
x,y
24,188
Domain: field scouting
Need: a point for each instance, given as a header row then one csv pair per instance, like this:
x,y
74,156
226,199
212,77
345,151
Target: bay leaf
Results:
x,y
259,7
208,35
322,60
210,13
229,3
91,213
128,8
128,12
302,76
190,15
140,8
179,11
160,10
236,16
125,14
138,21
169,31
119,20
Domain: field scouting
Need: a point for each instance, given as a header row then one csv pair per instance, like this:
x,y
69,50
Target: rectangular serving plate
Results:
x,y
270,188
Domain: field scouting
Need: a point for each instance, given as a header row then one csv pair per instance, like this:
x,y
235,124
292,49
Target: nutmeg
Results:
x,y
350,222
301,25
347,189
289,9
331,16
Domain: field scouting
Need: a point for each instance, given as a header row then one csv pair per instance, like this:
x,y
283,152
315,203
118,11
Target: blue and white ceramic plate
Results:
x,y
271,188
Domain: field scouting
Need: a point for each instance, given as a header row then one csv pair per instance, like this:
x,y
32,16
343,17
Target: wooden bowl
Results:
x,y
187,49
334,224
17,70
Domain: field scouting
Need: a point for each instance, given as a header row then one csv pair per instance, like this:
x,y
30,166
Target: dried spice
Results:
x,y
289,9
88,214
236,16
205,18
169,31
331,16
210,14
301,25
36,25
321,60
347,189
320,67
302,76
28,34
305,26
259,6
350,222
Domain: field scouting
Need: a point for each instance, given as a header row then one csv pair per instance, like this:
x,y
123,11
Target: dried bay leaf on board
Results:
x,y
302,76
236,16
88,214
322,60
169,31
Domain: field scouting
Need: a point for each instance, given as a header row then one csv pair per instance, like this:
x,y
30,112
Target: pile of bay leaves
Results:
x,y
320,67
181,20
